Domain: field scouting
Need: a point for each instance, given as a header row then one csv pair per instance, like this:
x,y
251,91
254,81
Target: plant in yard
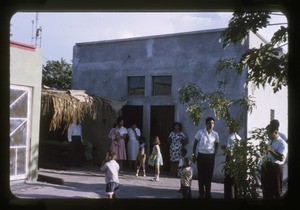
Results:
x,y
245,164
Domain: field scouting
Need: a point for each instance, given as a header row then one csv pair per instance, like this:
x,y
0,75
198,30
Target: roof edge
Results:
x,y
22,46
152,36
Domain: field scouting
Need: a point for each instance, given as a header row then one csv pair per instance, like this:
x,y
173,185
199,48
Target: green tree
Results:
x,y
265,65
198,101
57,74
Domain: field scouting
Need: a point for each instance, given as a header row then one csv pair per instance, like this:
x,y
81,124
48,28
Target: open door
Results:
x,y
162,119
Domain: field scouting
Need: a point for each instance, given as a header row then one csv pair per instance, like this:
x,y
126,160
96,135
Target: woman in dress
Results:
x,y
134,135
177,141
118,134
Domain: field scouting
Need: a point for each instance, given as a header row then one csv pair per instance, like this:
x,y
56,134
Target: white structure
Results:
x,y
25,102
148,71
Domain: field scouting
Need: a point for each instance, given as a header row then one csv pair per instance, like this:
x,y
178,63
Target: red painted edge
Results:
x,y
22,46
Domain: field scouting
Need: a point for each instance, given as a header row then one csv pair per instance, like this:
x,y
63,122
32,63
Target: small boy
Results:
x,y
111,169
183,153
140,161
186,176
88,150
142,142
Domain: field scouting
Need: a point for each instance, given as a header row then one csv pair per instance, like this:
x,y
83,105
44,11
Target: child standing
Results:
x,y
183,153
142,142
111,169
88,150
140,161
186,176
155,158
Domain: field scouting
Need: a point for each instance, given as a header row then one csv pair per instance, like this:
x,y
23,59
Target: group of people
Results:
x,y
111,169
271,170
135,153
204,150
130,150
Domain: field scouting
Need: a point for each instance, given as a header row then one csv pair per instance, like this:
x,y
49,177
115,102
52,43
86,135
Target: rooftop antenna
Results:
x,y
32,37
36,35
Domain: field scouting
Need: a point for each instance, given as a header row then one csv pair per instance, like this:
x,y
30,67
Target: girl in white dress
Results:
x,y
155,158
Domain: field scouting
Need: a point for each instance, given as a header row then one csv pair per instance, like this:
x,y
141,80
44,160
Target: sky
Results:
x,y
60,31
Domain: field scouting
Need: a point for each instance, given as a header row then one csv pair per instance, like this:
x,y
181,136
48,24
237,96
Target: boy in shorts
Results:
x,y
111,169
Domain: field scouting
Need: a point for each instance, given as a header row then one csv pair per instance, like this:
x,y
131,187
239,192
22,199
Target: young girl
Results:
x,y
155,158
111,169
140,161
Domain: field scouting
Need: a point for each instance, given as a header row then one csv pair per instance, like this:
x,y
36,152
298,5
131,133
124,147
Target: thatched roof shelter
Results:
x,y
60,108
67,106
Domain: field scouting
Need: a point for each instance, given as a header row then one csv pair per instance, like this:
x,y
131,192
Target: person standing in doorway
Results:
x,y
117,135
177,141
76,143
122,156
134,134
206,145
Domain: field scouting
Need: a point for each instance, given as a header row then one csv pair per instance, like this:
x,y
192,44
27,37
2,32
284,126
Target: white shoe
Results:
x,y
144,175
136,175
155,179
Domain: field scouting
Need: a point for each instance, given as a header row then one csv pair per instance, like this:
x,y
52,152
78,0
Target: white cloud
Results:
x,y
61,31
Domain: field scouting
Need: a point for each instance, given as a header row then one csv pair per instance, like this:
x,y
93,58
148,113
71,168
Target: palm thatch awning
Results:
x,y
67,106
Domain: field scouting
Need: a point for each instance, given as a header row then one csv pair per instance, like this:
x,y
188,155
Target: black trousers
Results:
x,y
229,185
75,150
205,167
271,180
186,192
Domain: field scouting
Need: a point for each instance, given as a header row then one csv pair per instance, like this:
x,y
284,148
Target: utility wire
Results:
x,y
108,81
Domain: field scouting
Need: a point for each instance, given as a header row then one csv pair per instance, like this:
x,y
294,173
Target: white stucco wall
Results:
x,y
26,70
267,100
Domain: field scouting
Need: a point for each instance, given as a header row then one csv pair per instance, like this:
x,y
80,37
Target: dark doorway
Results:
x,y
162,118
133,114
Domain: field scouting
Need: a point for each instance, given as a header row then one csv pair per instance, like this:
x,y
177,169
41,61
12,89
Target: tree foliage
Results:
x,y
245,165
266,64
198,102
57,74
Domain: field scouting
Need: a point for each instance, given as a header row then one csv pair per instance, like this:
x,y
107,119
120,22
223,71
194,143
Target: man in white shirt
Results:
x,y
206,146
276,123
75,139
272,169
